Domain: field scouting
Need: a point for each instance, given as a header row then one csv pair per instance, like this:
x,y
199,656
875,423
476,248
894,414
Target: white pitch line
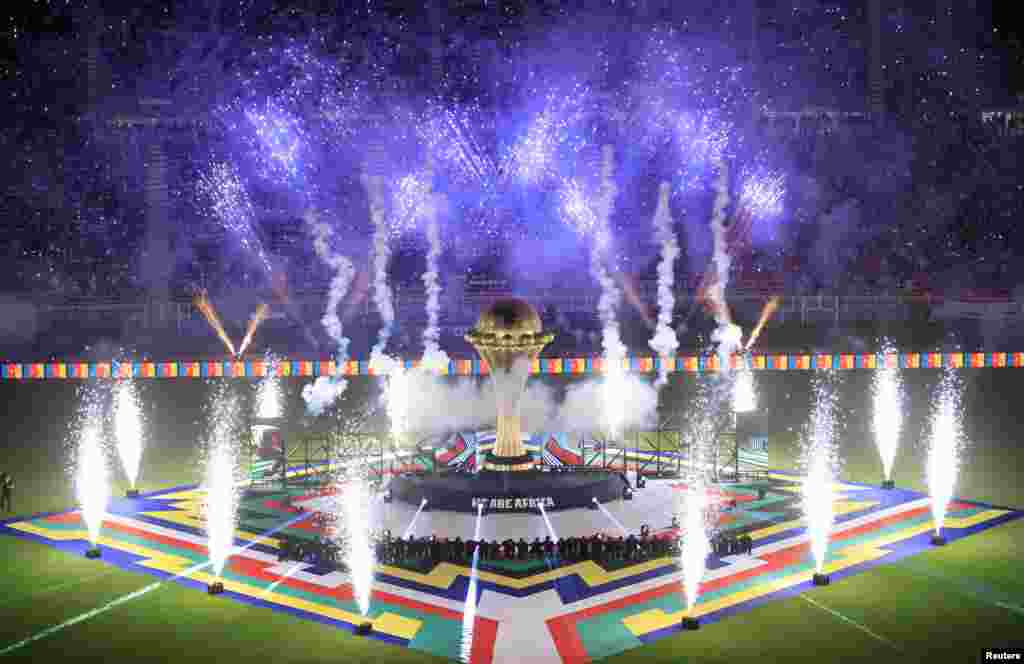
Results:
x,y
851,621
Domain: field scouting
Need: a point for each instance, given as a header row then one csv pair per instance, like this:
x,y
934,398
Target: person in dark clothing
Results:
x,y
6,487
631,547
549,547
509,547
435,549
522,548
535,548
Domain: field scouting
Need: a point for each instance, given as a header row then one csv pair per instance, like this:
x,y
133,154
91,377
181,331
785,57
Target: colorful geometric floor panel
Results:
x,y
573,613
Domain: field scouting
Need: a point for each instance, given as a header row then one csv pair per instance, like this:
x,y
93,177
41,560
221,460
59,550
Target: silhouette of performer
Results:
x,y
6,487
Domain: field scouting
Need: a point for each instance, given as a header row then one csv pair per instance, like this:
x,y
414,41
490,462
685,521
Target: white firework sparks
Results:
x,y
91,478
696,545
128,429
821,468
946,445
887,415
354,499
269,398
398,401
220,504
744,393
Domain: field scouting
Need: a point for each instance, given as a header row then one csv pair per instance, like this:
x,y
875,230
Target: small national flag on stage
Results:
x,y
238,369
485,369
891,360
977,360
800,362
325,368
822,361
955,360
464,367
283,368
1017,360
577,365
760,362
690,363
597,365
191,369
124,370
847,361
259,368
12,371
780,362
37,370
646,365
910,360
78,370
933,360
101,369
999,360
168,369
865,360
149,370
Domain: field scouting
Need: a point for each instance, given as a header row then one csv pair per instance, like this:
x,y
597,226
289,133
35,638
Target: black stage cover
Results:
x,y
522,491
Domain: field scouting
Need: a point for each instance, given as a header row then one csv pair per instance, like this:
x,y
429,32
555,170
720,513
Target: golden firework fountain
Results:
x,y
509,336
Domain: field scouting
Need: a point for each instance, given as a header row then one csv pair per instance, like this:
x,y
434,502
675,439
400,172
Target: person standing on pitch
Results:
x,y
6,487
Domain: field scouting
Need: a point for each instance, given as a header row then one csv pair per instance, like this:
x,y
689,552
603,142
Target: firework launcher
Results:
x,y
889,484
364,628
820,579
215,588
690,624
131,493
938,539
92,552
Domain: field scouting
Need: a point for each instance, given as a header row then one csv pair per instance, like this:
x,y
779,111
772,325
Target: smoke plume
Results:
x,y
326,389
664,341
382,296
727,335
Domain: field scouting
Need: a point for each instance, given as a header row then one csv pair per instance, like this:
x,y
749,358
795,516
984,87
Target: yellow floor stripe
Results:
x,y
841,507
388,623
655,619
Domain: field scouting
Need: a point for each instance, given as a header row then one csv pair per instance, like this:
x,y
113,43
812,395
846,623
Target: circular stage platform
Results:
x,y
504,492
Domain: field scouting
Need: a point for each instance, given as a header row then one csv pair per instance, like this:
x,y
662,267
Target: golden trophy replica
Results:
x,y
509,337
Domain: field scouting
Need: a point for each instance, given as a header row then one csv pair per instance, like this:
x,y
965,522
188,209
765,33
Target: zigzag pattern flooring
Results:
x,y
574,613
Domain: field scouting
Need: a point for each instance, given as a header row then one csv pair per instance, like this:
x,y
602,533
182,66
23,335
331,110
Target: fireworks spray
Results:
x,y
744,393
128,429
820,462
202,303
664,342
700,515
326,389
261,314
766,313
220,502
355,507
92,482
945,447
887,416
